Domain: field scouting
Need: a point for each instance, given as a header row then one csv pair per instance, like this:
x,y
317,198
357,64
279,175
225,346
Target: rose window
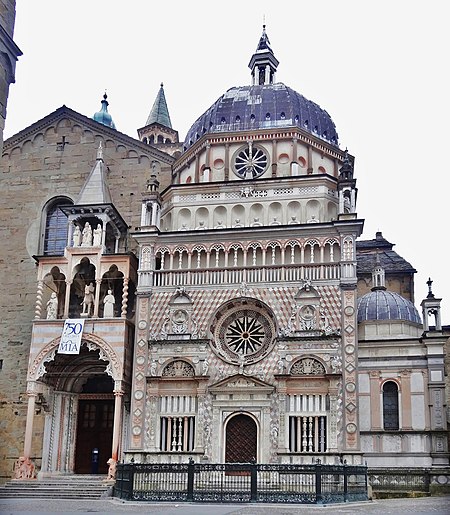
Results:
x,y
243,334
250,162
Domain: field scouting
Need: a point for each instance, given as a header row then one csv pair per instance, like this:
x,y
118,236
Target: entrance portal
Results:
x,y
241,440
94,431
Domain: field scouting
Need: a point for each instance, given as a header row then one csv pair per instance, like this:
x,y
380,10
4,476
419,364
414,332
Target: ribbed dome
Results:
x,y
263,107
386,305
103,116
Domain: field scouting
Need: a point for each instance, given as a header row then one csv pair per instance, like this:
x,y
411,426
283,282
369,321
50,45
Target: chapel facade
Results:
x,y
226,309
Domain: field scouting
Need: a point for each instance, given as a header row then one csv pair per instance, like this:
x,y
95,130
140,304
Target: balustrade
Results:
x,y
251,275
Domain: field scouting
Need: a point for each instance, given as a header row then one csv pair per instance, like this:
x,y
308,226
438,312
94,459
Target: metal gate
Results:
x,y
241,482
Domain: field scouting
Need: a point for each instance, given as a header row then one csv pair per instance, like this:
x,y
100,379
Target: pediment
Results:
x,y
56,118
241,382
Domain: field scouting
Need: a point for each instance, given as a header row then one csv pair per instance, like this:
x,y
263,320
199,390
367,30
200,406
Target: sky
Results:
x,y
380,69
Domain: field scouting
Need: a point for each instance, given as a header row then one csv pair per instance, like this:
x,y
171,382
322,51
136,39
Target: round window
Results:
x,y
243,333
250,162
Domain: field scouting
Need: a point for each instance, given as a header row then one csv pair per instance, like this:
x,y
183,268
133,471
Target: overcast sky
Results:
x,y
380,69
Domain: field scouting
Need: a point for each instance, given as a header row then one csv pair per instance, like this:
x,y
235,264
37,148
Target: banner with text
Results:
x,y
71,336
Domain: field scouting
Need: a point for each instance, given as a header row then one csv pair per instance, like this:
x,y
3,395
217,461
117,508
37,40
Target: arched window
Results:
x,y
55,228
390,406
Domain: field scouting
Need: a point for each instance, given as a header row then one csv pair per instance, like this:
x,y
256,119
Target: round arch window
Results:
x,y
250,162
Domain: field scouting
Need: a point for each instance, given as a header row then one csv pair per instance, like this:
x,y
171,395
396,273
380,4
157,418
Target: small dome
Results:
x,y
381,304
263,107
103,116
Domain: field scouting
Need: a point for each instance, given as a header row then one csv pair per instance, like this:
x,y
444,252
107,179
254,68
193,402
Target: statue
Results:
x,y
52,307
86,235
205,367
111,469
88,300
77,236
24,469
97,236
109,301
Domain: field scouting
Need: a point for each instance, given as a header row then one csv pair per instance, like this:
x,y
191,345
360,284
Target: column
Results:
x,y
98,282
118,394
208,154
38,308
103,240
227,161
405,404
67,299
123,313
197,169
70,235
309,170
274,158
294,157
24,467
375,401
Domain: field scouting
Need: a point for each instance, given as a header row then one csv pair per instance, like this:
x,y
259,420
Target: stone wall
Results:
x,y
47,160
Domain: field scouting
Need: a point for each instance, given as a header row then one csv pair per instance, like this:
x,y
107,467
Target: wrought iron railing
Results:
x,y
241,482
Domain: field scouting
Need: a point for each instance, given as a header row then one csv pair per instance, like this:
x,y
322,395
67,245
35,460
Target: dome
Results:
x,y
386,305
263,107
103,116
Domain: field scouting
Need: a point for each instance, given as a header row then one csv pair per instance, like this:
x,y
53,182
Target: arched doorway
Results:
x,y
94,426
82,412
241,440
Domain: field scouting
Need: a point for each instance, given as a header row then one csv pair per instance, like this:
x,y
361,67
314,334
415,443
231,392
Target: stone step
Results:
x,y
56,484
68,487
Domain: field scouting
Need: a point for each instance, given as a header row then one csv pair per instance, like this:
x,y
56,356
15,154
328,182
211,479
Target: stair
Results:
x,y
58,487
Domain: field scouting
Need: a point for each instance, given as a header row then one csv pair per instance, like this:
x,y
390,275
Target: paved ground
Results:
x,y
420,506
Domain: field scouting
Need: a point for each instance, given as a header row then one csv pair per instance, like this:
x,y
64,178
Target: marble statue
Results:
x,y
52,307
109,302
97,236
88,300
77,236
86,235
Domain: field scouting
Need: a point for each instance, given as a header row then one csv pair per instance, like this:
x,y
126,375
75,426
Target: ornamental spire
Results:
x,y
160,112
263,62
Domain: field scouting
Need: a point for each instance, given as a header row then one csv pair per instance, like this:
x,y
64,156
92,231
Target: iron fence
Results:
x,y
241,482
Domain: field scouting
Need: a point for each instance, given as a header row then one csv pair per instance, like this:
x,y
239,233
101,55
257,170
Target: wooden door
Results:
x,y
241,440
94,431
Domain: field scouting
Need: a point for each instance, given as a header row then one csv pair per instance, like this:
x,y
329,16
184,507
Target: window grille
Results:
x,y
177,434
308,433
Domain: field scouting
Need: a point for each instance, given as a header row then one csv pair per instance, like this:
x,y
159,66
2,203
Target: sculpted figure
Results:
x,y
88,300
86,240
77,236
97,236
111,469
52,307
109,302
24,469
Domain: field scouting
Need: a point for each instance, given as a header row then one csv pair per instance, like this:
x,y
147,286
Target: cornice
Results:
x,y
217,138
